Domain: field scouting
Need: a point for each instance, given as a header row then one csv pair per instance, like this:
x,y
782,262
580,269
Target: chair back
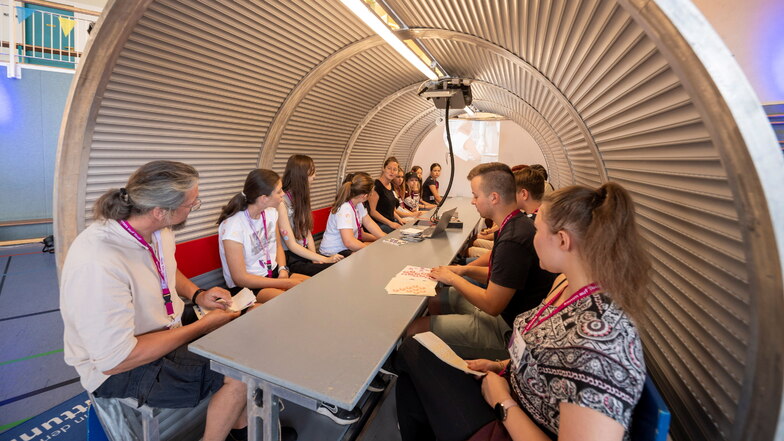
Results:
x,y
651,417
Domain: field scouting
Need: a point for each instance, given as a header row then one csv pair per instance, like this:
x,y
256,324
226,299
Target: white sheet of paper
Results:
x,y
242,300
441,350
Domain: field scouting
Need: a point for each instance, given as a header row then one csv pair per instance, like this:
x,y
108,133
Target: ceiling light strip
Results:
x,y
360,10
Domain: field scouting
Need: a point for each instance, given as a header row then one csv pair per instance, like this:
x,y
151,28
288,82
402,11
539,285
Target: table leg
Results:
x,y
263,403
263,411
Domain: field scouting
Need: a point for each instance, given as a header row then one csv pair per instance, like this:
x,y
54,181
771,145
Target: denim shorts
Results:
x,y
180,379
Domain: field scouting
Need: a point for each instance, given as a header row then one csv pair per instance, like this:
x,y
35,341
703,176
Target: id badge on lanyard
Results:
x,y
174,323
262,243
516,350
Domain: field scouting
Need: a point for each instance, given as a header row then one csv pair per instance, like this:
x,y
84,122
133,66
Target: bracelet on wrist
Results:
x,y
196,294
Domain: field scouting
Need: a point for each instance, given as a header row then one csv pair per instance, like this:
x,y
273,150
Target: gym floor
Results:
x,y
35,378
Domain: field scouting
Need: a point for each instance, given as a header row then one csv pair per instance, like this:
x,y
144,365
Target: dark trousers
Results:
x,y
385,228
300,265
435,400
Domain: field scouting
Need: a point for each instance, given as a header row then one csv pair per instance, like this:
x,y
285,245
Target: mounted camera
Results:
x,y
456,90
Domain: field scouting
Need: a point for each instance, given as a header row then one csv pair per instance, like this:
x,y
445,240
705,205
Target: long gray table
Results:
x,y
325,339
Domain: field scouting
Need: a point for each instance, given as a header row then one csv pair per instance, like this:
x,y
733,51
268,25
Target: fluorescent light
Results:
x,y
360,10
469,110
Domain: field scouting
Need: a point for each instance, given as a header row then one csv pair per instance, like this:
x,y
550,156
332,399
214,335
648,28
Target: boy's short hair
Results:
x,y
496,177
532,180
540,168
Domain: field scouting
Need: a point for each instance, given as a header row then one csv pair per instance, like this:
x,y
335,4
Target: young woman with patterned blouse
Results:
x,y
576,367
399,188
412,195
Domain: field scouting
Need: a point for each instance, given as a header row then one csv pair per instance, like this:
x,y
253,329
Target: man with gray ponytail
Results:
x,y
125,328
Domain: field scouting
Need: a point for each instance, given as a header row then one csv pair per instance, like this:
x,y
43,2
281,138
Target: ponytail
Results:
x,y
354,184
603,224
114,204
260,182
344,194
236,204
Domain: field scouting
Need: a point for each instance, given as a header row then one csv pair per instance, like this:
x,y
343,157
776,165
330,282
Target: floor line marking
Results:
x,y
5,270
28,315
5,427
42,354
38,391
22,254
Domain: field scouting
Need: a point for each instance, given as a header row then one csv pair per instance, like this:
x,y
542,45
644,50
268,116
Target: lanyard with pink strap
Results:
x,y
356,218
503,224
581,293
160,266
263,244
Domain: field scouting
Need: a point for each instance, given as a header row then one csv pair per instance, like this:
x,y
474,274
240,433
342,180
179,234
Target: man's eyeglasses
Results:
x,y
195,205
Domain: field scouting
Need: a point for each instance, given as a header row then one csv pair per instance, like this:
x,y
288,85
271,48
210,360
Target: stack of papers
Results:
x,y
411,234
413,280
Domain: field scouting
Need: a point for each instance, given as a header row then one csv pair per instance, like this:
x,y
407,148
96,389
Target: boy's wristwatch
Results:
x,y
502,409
284,268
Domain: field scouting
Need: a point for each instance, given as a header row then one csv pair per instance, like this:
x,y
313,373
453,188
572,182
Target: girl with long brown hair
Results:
x,y
382,200
249,240
399,189
576,367
348,216
295,219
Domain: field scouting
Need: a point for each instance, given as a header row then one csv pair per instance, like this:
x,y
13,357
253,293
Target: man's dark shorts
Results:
x,y
179,379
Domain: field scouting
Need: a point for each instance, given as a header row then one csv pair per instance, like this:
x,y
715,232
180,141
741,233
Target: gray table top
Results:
x,y
327,337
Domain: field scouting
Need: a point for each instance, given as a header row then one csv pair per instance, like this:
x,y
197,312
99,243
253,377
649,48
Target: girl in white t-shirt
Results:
x,y
250,246
348,216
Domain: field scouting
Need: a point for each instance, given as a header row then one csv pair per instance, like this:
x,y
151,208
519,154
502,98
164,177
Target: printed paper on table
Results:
x,y
412,280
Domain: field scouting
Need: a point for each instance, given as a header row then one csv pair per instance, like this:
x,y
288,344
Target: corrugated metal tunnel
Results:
x,y
639,92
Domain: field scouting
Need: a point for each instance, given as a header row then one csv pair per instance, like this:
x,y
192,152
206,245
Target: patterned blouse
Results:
x,y
411,201
588,354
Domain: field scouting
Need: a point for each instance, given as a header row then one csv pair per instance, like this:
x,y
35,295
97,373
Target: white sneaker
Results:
x,y
338,415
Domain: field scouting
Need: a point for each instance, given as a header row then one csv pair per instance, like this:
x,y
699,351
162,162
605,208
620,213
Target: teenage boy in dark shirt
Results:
x,y
476,321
